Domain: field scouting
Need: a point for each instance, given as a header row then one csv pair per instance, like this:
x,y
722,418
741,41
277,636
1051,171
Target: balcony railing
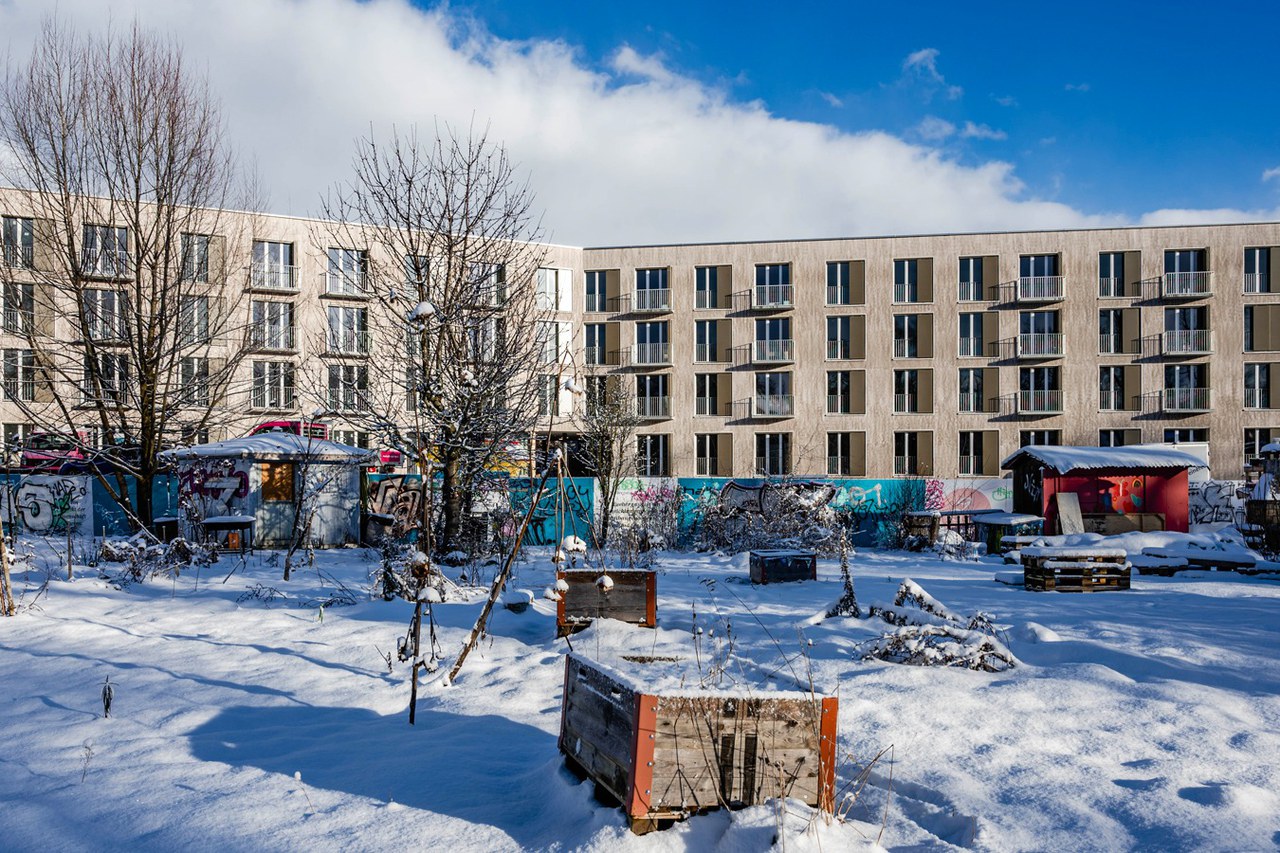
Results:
x,y
346,283
1257,398
1186,399
971,402
653,407
20,389
1039,402
838,295
906,348
905,292
774,350
904,403
905,465
1110,400
1040,288
1039,345
771,296
593,355
1257,282
705,299
772,466
274,277
1110,344
708,466
774,405
839,404
841,348
970,466
1186,284
1110,288
653,300
970,291
839,466
106,263
706,406
1187,342
706,353
271,337
653,354
349,342
19,257
18,321
971,347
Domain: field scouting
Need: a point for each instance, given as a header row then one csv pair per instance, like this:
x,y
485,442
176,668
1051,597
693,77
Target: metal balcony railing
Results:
x,y
839,465
1040,402
18,321
1257,398
106,263
271,337
772,466
905,465
774,405
708,466
706,353
652,354
704,299
1257,282
18,257
904,403
1110,400
771,296
838,349
653,300
1110,288
839,294
971,347
1186,399
653,407
906,292
1187,342
349,342
344,283
20,389
970,402
906,348
839,404
1186,284
1039,345
706,406
970,291
1040,288
593,355
970,466
774,350
1110,344
274,277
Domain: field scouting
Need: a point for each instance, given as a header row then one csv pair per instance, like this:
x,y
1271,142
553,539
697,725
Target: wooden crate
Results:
x,y
666,756
633,599
1066,569
783,565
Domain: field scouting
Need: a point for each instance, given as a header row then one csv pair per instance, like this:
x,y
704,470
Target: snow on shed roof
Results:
x,y
1066,459
273,447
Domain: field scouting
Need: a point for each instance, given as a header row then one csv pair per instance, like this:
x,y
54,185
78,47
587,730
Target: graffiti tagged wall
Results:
x,y
49,504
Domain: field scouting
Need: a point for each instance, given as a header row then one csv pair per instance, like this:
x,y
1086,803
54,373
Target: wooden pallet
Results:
x,y
1063,569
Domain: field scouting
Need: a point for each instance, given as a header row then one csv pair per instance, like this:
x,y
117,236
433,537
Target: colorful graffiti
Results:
x,y
399,496
213,486
49,504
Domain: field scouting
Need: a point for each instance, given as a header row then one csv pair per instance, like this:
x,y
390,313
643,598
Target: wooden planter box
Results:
x,y
779,566
1066,569
666,755
633,599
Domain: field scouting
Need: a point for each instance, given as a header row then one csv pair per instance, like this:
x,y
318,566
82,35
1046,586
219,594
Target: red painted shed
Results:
x,y
1139,487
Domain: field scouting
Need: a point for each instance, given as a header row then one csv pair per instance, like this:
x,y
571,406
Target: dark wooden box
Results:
x,y
1064,569
633,599
783,565
664,757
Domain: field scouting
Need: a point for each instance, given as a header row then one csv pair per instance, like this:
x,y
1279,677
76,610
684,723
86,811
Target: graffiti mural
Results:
x,y
1212,501
566,508
49,504
399,496
213,486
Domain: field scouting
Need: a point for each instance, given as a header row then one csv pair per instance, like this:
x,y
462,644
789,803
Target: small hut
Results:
x,y
1106,490
266,486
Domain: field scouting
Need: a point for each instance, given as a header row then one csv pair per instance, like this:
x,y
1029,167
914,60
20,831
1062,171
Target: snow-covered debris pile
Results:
x,y
939,645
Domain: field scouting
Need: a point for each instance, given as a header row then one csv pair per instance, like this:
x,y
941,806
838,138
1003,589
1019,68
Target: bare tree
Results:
x,y
116,272
608,425
451,266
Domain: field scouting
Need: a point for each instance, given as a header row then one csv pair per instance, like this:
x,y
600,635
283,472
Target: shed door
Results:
x,y
276,511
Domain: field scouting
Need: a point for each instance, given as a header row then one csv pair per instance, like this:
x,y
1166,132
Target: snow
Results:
x,y
1006,519
273,446
1064,459
1071,551
1146,719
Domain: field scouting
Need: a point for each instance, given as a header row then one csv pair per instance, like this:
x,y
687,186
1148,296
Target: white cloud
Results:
x,y
831,99
628,153
923,64
1222,215
934,129
1006,100
1077,87
981,131
1271,174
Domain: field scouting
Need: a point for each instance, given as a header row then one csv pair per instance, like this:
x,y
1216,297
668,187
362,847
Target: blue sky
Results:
x,y
1104,106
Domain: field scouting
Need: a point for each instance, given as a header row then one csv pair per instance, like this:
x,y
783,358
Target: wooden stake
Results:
x,y
7,607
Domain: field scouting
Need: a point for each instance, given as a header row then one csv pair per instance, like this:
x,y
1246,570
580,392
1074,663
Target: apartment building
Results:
x,y
868,357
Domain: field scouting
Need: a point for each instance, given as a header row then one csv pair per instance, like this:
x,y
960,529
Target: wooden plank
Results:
x,y
1069,519
642,767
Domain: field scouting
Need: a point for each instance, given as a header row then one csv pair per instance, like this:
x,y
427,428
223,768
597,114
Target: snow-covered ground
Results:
x,y
1147,719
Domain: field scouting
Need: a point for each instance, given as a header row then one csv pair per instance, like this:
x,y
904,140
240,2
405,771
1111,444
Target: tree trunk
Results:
x,y
451,498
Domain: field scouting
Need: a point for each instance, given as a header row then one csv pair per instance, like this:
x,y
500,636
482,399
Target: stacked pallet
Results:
x,y
1074,569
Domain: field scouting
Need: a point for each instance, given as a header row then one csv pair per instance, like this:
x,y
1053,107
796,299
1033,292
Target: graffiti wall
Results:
x,y
399,496
49,504
1213,501
215,486
566,508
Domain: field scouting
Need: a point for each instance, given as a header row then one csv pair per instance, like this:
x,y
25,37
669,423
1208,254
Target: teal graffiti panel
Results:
x,y
566,508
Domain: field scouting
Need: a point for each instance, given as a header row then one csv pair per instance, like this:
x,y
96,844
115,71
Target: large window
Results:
x,y
1187,435
20,374
595,338
773,339
839,337
17,239
1257,386
1040,389
707,447
193,320
906,336
906,391
346,272
971,399
273,267
652,293
906,280
653,398
971,456
272,385
773,454
707,287
105,251
706,340
971,334
652,344
1111,274
1039,437
972,285
111,372
1257,270
1111,392
348,330
839,392
348,387
839,290
773,395
195,257
1038,266
654,455
597,291
104,314
706,390
19,308
839,454
271,325
906,453
193,378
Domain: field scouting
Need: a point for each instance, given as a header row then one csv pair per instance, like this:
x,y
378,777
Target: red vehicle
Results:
x,y
309,429
50,450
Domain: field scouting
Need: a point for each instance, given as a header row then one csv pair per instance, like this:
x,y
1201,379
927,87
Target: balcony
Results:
x,y
840,349
970,466
273,277
1110,344
1040,288
271,337
1186,399
905,404
1111,288
653,301
772,466
774,351
706,406
1187,342
708,466
649,354
346,283
706,354
839,295
970,291
18,257
839,404
1111,400
1039,402
905,292
18,321
971,347
1186,285
348,342
592,356
1040,345
906,348
771,296
653,408
106,263
705,299
774,406
971,403
839,466
1257,398
1257,282
906,466
20,389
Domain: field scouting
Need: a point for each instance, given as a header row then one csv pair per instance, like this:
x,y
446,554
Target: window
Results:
x,y
348,386
545,297
773,395
972,284
413,386
906,391
773,454
651,290
1184,435
549,347
1186,273
20,375
971,334
106,377
1257,386
346,272
653,398
272,385
906,450
105,252
352,437
195,257
706,344
1038,266
348,330
1039,334
906,280
104,315
1040,390
1111,397
1039,437
597,395
193,381
839,291
486,335
19,309
652,344
707,446
595,337
839,454
706,390
193,320
596,291
773,284
548,395
488,283
17,238
906,336
839,392
971,461
1116,437
971,399
1110,330
839,338
271,324
654,452
1255,439
1186,387
1111,274
706,287
273,267
773,339
1257,270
